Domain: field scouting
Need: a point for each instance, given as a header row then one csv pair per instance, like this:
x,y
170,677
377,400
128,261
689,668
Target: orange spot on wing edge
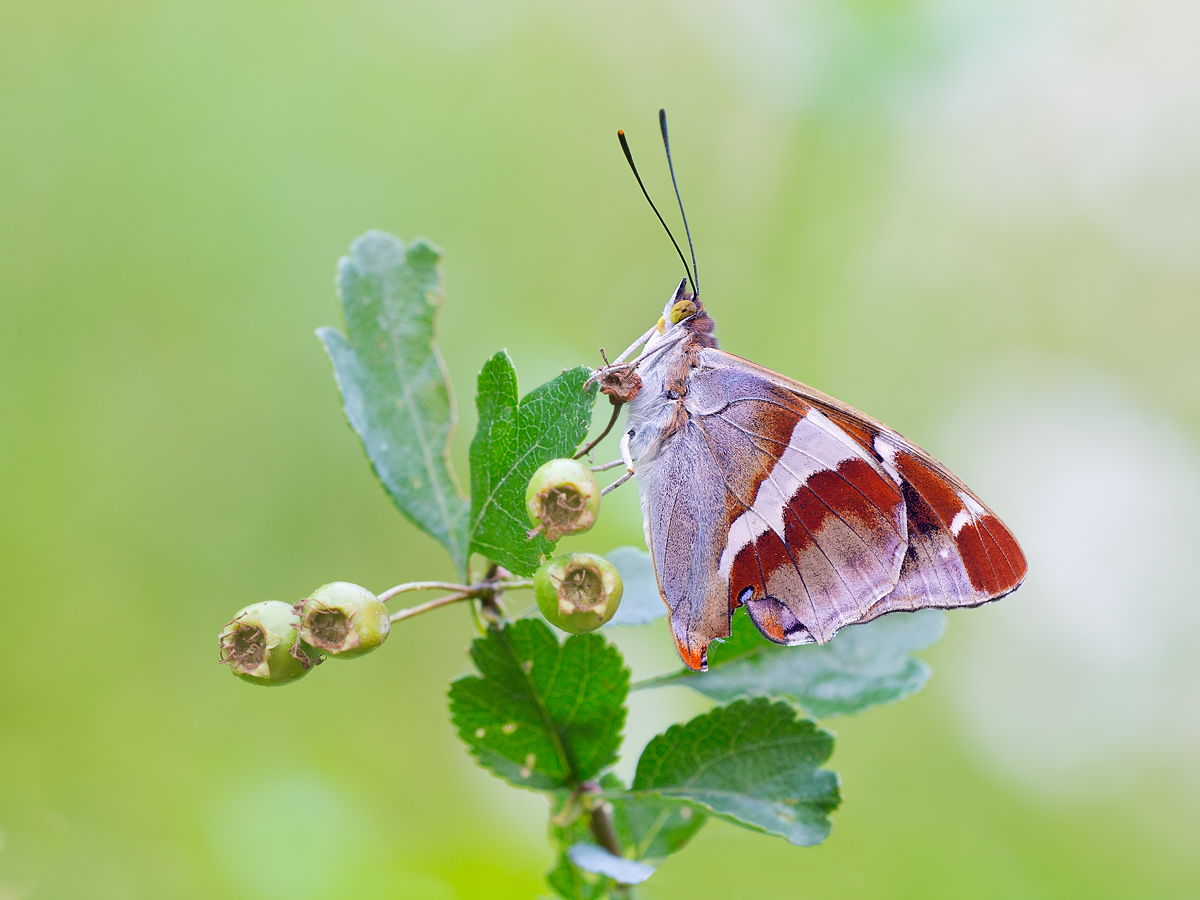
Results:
x,y
694,658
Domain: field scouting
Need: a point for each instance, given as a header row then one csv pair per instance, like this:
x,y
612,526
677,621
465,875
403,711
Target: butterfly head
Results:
x,y
685,315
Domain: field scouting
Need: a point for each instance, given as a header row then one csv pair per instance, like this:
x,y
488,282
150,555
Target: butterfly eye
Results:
x,y
682,310
662,325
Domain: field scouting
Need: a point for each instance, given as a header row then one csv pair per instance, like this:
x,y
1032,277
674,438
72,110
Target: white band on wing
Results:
x,y
812,448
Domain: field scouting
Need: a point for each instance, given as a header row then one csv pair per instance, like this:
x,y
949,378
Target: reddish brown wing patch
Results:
x,y
990,555
960,553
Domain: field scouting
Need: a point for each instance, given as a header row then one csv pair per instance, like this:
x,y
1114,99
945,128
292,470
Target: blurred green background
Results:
x,y
977,220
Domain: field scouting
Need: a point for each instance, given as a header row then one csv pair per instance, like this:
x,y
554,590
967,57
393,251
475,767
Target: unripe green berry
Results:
x,y
563,498
343,620
261,645
578,592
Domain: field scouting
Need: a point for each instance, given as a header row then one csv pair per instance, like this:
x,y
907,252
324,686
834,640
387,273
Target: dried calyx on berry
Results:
x,y
578,592
343,620
563,498
262,644
620,383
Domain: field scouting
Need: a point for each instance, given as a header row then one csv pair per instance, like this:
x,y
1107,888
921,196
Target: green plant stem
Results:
x,y
603,829
605,833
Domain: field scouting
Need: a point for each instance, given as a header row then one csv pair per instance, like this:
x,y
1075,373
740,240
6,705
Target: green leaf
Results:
x,y
394,387
543,715
863,666
512,440
641,602
650,828
751,762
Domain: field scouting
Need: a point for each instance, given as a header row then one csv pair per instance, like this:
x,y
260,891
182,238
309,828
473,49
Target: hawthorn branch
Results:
x,y
423,586
607,428
488,591
432,604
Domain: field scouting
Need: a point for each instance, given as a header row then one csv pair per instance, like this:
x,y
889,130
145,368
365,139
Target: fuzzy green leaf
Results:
x,y
543,715
394,387
641,602
751,762
863,666
513,439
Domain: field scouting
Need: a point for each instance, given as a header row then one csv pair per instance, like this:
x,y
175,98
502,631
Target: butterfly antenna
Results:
x,y
646,194
662,123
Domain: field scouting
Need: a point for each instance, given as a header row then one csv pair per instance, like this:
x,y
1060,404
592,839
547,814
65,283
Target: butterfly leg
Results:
x,y
608,465
639,342
620,362
627,457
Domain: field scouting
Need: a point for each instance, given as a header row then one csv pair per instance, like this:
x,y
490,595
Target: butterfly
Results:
x,y
762,492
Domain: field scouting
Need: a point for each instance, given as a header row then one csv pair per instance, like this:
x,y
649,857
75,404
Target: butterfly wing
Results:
x,y
757,497
959,553
684,509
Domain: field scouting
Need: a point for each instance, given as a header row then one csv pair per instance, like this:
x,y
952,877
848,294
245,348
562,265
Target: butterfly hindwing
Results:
x,y
959,552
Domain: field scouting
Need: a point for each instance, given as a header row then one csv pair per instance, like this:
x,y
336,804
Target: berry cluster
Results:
x,y
578,592
273,642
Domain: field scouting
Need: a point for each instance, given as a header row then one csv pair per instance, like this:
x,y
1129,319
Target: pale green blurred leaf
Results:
x,y
641,602
394,387
753,763
512,440
863,666
594,858
541,714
